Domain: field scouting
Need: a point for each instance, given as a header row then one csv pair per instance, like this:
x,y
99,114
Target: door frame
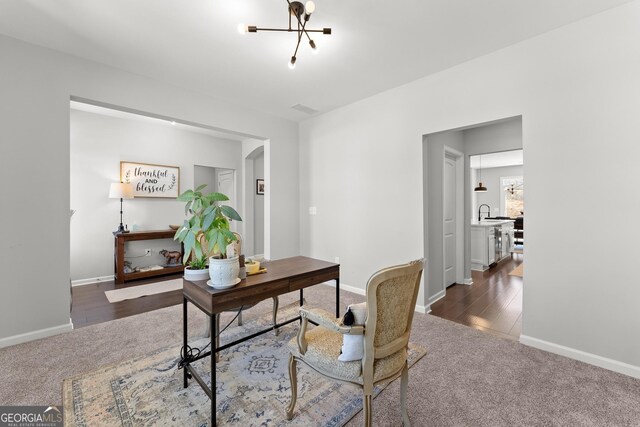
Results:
x,y
458,157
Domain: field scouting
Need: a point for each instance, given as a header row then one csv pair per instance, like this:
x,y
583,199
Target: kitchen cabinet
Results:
x,y
491,241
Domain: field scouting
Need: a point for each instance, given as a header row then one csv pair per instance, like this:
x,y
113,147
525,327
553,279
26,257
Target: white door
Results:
x,y
449,221
226,186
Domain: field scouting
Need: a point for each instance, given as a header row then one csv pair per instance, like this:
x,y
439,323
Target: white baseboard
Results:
x,y
437,297
30,336
423,309
468,281
592,359
347,288
91,280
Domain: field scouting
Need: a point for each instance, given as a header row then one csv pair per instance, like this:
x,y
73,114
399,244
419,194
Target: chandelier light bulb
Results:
x,y
314,48
292,63
309,7
242,29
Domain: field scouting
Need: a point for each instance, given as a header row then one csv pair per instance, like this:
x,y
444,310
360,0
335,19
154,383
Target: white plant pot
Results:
x,y
224,272
195,275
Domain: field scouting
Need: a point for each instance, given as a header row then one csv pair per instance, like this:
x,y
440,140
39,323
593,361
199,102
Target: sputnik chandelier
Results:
x,y
301,13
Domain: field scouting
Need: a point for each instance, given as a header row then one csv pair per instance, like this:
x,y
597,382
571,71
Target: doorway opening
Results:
x,y
101,137
450,177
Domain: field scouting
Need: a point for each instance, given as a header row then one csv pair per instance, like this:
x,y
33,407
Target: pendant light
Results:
x,y
480,188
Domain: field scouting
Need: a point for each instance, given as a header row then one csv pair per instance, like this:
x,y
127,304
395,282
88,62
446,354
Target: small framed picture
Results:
x,y
260,186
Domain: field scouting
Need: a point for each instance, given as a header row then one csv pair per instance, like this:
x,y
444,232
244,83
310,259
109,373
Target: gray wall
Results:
x,y
571,87
205,175
433,152
98,143
491,179
258,206
36,86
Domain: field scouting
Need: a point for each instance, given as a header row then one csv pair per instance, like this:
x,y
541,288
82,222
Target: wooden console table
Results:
x,y
122,238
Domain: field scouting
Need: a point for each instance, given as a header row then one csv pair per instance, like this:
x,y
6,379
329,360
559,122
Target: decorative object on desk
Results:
x,y
172,257
252,386
260,187
120,190
252,267
243,269
149,180
196,269
262,270
207,233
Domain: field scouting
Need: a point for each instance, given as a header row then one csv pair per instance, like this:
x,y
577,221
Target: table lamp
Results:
x,y
121,190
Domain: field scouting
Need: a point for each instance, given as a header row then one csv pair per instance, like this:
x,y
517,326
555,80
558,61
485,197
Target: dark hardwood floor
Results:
x,y
90,305
492,304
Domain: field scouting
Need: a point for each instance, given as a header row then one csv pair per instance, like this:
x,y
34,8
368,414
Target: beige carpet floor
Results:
x,y
132,292
518,271
467,378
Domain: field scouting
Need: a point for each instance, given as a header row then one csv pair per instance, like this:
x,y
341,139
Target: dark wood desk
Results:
x,y
283,276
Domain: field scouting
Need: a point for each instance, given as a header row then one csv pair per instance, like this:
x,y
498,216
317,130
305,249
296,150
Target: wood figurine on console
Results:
x,y
172,257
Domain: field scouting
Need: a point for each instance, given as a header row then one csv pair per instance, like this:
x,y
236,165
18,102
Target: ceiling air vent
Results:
x,y
305,109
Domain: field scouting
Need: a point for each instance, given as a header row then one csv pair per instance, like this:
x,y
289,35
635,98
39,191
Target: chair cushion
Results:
x,y
322,354
353,345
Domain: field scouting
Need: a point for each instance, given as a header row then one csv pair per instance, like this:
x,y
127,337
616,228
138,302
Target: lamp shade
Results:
x,y
121,190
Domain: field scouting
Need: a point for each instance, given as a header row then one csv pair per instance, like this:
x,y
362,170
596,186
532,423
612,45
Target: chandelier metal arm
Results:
x,y
300,24
253,29
300,31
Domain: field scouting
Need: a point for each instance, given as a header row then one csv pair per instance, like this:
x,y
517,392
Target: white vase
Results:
x,y
224,272
195,275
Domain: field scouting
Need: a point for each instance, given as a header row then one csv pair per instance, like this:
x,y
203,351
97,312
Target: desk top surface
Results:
x,y
282,276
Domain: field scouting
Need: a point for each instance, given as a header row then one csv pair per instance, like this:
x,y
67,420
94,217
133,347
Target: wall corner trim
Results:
x,y
34,335
590,358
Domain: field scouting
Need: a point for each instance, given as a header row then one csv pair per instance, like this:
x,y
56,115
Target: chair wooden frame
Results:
x,y
371,352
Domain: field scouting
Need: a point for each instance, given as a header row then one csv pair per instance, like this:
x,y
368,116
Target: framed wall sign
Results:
x,y
151,180
260,186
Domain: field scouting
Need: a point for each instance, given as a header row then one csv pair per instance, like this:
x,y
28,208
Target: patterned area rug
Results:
x,y
252,387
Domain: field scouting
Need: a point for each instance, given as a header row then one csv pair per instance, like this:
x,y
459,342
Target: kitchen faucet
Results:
x,y
480,211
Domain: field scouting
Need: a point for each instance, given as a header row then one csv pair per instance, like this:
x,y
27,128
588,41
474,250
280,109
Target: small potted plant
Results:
x,y
207,233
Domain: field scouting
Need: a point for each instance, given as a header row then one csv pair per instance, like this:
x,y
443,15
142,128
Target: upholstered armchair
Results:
x,y
391,299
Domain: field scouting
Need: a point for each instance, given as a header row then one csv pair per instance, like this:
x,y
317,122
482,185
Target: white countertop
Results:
x,y
491,223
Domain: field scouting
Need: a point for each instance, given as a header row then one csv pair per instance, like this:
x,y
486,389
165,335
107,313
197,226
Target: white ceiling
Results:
x,y
376,44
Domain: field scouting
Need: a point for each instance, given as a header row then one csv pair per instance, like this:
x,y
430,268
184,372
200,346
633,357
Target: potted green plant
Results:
x,y
207,233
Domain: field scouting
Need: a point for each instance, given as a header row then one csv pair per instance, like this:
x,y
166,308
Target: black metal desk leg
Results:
x,y
301,298
337,297
184,339
213,330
